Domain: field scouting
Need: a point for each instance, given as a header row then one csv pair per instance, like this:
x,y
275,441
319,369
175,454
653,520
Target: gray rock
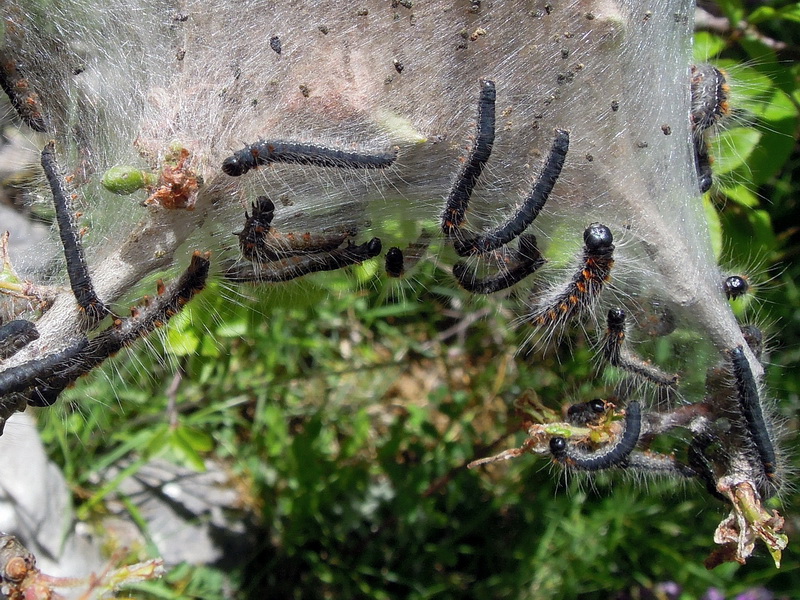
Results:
x,y
35,505
192,517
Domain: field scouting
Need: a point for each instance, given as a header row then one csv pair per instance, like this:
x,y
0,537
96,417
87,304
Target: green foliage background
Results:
x,y
347,416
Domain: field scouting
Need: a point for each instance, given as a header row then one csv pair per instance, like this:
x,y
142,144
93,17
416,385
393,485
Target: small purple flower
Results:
x,y
758,593
669,590
713,594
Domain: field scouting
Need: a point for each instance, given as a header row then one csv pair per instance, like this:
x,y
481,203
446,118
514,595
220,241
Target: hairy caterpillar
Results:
x,y
24,100
735,286
293,267
77,269
398,262
585,285
531,206
615,455
394,263
709,105
267,152
47,378
710,97
458,201
259,242
750,404
15,335
587,413
617,353
524,261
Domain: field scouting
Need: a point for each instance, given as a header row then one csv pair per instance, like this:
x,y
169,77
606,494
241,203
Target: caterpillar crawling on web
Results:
x,y
552,166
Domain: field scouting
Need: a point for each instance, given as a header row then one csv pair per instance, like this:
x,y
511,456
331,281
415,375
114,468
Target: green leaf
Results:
x,y
714,225
707,45
780,108
777,141
765,13
210,348
158,439
733,9
761,222
762,13
182,343
232,328
741,194
188,444
197,439
737,145
85,509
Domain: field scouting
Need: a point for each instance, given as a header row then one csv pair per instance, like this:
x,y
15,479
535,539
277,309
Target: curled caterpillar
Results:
x,y
531,206
524,262
614,456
